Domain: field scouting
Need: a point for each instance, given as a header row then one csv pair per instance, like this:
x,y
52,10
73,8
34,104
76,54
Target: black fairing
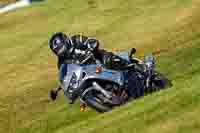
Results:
x,y
62,72
135,85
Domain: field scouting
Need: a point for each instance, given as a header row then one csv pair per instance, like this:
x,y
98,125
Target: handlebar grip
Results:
x,y
86,59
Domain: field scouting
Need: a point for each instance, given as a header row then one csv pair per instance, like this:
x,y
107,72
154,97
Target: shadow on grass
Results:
x,y
37,0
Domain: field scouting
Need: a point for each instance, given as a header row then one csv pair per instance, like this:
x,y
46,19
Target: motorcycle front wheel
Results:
x,y
96,104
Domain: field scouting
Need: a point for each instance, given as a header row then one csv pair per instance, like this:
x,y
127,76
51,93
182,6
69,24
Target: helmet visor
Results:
x,y
58,46
61,51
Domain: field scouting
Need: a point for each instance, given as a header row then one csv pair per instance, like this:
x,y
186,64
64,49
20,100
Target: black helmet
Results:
x,y
60,44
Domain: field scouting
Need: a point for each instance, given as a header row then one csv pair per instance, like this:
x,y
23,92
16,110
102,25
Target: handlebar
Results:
x,y
90,55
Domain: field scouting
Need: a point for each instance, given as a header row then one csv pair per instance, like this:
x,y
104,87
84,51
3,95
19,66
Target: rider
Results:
x,y
73,50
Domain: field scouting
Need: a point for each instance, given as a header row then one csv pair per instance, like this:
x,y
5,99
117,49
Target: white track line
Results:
x,y
21,3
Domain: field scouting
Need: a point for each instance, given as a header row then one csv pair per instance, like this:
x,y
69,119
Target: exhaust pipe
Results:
x,y
99,88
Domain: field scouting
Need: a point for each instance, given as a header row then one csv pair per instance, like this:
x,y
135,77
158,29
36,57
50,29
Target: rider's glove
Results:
x,y
93,44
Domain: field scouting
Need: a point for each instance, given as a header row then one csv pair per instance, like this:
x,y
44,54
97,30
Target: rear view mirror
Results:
x,y
133,51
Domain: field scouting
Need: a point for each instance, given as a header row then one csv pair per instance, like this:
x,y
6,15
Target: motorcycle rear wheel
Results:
x,y
161,82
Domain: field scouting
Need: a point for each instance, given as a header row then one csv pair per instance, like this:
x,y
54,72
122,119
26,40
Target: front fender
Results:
x,y
106,74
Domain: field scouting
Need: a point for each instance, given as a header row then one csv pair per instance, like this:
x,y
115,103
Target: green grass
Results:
x,y
28,68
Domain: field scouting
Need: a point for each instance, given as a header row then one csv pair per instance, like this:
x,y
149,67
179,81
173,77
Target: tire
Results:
x,y
95,104
161,82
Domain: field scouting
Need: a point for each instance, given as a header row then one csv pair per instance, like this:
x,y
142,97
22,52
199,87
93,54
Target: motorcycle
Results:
x,y
103,89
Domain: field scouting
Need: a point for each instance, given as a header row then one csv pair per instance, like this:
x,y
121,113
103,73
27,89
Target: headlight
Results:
x,y
73,84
